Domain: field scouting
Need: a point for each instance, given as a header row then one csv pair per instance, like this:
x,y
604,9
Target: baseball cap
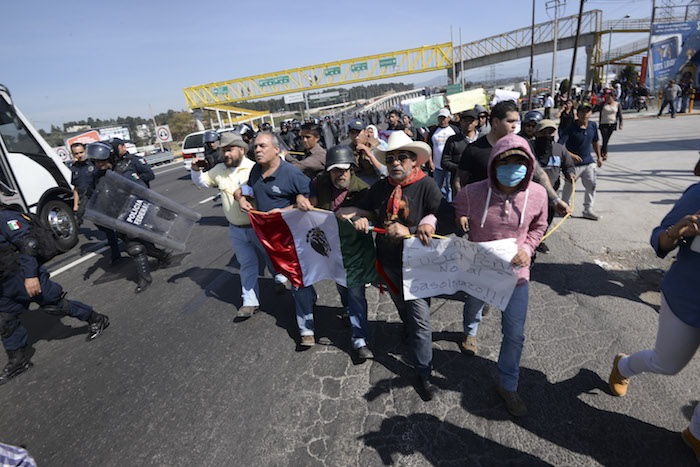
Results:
x,y
469,113
545,124
356,124
232,139
444,113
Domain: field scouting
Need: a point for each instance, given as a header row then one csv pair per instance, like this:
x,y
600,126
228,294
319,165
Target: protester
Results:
x,y
566,115
395,121
578,139
276,186
367,168
409,128
336,188
402,204
229,176
530,121
554,159
483,127
669,94
456,144
548,104
506,205
678,332
610,115
314,160
436,140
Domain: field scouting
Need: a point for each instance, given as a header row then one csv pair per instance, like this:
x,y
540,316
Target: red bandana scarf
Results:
x,y
392,208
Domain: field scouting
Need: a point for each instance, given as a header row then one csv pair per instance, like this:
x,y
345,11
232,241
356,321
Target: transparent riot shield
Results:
x,y
138,212
327,135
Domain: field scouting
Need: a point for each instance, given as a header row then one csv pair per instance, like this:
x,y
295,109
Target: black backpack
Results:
x,y
47,247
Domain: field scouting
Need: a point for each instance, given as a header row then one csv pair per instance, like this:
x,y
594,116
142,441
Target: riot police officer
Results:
x,y
102,156
83,180
212,151
23,280
247,133
133,167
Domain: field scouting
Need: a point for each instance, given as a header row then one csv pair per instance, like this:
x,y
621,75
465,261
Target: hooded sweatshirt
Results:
x,y
493,215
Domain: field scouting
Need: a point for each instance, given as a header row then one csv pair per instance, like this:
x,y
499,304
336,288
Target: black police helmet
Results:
x,y
340,155
210,136
265,126
98,151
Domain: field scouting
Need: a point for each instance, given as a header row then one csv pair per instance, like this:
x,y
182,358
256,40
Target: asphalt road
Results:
x,y
174,381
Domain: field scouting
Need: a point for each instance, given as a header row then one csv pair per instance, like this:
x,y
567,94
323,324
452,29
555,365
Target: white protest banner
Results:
x,y
503,95
466,100
449,265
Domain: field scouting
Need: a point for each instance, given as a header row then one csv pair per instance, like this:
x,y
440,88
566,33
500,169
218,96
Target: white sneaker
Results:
x,y
590,215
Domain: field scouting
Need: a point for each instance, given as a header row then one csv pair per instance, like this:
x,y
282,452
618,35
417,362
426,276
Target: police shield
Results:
x,y
327,135
138,212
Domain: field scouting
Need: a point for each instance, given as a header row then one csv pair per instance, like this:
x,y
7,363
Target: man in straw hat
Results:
x,y
404,203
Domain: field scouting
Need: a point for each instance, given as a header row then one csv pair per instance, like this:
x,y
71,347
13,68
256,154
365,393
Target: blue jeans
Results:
x,y
246,246
443,178
512,328
304,299
415,315
355,303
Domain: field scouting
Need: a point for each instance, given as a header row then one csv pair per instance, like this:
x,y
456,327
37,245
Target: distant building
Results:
x,y
143,131
76,128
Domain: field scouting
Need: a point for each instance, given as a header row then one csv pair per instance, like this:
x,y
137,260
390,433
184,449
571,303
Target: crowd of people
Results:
x,y
469,174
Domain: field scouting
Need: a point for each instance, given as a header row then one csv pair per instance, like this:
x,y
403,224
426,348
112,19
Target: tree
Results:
x,y
629,74
564,85
181,124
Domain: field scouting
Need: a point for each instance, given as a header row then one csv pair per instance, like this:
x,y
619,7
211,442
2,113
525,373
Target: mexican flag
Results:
x,y
307,247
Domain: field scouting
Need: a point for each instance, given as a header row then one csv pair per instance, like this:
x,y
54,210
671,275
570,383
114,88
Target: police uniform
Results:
x,y
135,168
213,157
18,249
83,179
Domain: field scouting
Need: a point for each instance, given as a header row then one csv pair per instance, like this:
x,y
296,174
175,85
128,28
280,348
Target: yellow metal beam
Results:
x,y
338,73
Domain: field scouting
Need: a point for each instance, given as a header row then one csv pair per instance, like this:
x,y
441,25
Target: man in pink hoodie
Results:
x,y
505,205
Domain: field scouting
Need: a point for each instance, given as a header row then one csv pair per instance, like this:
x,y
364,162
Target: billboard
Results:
x,y
674,54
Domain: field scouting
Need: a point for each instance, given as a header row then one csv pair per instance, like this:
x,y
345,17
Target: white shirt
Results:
x,y
548,102
228,180
439,139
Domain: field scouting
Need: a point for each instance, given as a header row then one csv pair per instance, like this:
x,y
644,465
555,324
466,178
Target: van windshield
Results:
x,y
14,134
193,141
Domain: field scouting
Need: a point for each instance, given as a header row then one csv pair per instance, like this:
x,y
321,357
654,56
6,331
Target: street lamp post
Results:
x,y
607,62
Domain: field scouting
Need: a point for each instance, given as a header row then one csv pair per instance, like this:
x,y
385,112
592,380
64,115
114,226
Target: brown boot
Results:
x,y
618,383
468,345
514,404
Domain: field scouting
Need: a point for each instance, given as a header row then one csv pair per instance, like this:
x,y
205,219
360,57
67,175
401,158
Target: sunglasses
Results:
x,y
390,159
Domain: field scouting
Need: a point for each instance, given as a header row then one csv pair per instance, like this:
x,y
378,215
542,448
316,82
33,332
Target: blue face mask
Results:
x,y
510,175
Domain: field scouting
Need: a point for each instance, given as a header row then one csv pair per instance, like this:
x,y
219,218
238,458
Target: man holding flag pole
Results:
x,y
403,204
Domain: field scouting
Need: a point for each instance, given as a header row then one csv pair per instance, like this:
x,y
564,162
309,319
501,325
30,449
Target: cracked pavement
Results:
x,y
174,381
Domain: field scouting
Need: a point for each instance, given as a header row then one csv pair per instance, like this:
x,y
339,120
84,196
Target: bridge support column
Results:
x,y
197,115
589,69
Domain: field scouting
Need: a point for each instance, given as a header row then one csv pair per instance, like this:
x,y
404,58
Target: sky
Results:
x,y
71,60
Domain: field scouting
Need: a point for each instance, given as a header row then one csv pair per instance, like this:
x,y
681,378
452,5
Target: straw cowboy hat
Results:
x,y
400,140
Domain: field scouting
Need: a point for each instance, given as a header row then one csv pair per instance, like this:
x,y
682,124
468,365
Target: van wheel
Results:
x,y
60,219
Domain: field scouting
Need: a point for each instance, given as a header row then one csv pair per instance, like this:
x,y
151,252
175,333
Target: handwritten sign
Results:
x,y
466,100
455,264
425,112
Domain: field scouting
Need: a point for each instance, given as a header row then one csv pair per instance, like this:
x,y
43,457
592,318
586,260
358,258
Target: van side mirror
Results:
x,y
6,190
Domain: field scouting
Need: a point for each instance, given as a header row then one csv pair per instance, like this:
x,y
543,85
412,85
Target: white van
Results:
x,y
193,146
32,177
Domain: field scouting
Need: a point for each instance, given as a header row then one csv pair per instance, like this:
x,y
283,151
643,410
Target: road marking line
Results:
x,y
208,199
170,170
78,261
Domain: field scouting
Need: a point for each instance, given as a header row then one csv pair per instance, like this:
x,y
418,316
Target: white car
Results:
x,y
193,146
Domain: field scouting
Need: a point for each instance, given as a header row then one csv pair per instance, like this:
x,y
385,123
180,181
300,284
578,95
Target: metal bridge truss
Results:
x,y
404,62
